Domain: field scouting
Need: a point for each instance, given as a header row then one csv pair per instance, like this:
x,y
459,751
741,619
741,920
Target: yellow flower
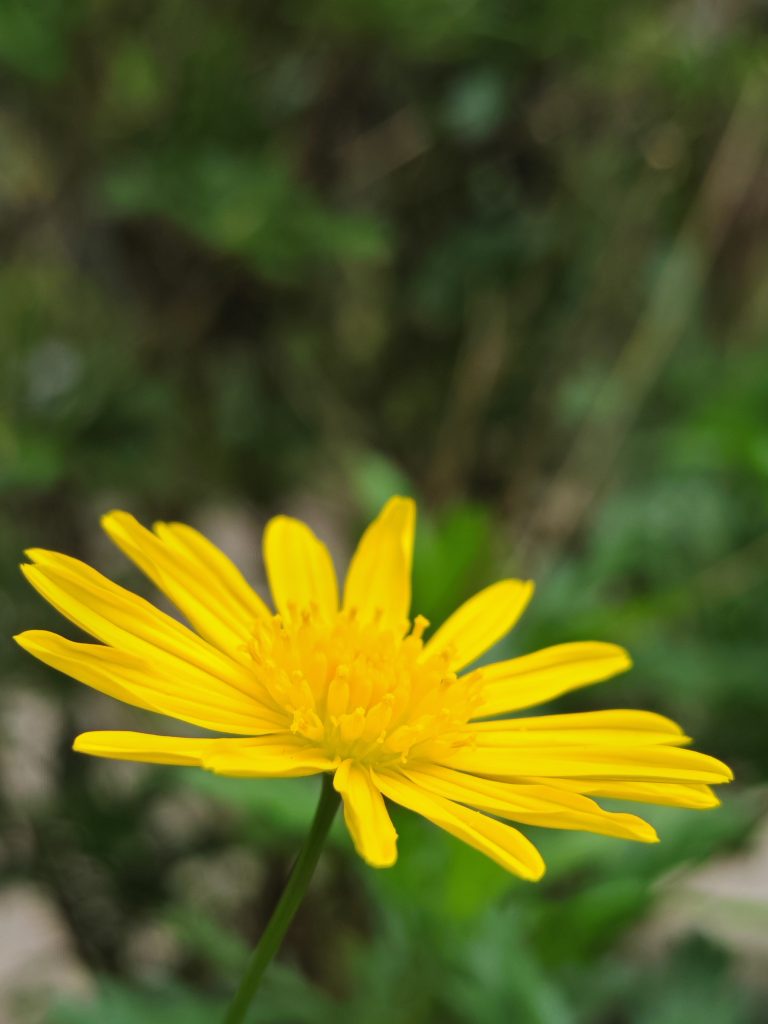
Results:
x,y
351,687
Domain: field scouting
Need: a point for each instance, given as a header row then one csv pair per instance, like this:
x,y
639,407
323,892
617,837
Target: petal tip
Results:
x,y
515,583
385,861
401,507
276,521
84,744
535,874
27,638
403,501
80,743
35,555
115,520
724,770
34,574
647,834
22,639
520,591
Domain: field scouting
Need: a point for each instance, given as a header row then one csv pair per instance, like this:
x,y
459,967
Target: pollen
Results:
x,y
360,690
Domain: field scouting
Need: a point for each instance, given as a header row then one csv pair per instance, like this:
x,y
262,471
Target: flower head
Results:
x,y
353,688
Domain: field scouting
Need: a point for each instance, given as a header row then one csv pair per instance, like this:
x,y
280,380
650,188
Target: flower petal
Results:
x,y
255,758
182,693
129,623
539,805
480,622
379,577
641,722
615,763
194,585
220,571
286,760
366,815
501,843
139,746
299,568
546,674
696,796
589,729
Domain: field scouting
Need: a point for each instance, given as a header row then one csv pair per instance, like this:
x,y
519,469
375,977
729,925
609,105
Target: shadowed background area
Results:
x,y
509,258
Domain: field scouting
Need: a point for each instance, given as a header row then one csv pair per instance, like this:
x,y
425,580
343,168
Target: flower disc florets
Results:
x,y
360,690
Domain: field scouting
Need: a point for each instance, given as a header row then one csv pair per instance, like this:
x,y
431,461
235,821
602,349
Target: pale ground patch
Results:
x,y
726,901
38,961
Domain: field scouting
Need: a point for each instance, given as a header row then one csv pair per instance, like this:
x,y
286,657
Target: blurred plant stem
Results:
x,y
736,164
289,903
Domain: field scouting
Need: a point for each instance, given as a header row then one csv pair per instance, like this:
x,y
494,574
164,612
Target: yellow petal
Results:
x,y
695,796
194,586
366,815
299,568
501,843
183,693
617,763
129,623
379,579
257,758
139,746
287,760
546,674
590,729
220,572
538,805
642,722
480,622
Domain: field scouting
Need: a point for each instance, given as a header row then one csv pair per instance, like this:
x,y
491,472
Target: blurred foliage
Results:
x,y
509,258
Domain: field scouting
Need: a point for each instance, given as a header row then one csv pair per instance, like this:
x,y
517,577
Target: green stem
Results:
x,y
294,891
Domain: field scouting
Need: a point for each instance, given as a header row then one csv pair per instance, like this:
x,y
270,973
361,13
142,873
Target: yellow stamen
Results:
x,y
360,689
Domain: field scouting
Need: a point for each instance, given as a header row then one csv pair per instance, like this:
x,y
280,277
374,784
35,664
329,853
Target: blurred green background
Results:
x,y
509,258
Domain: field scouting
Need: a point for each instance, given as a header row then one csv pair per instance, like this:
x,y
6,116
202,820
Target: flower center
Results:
x,y
362,691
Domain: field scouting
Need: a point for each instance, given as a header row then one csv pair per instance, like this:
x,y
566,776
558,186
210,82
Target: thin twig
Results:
x,y
596,446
